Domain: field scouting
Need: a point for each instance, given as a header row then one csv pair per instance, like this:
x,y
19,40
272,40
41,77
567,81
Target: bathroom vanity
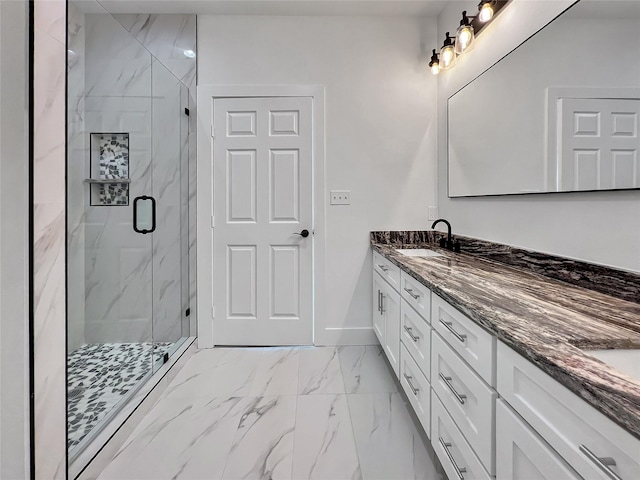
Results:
x,y
512,373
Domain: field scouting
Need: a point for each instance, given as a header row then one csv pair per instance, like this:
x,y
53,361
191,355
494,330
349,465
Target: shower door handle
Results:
x,y
144,214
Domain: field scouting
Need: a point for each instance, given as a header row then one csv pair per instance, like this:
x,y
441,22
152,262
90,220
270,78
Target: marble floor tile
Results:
x,y
324,448
224,372
263,444
320,371
365,370
277,372
180,439
284,414
389,445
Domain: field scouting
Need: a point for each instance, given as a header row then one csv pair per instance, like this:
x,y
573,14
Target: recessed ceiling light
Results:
x,y
190,54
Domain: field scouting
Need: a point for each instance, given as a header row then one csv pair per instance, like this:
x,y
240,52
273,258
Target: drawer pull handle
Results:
x,y
449,326
409,331
383,268
459,470
415,296
447,381
603,463
413,389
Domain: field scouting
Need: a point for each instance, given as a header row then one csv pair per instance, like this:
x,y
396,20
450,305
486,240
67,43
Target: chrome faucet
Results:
x,y
448,242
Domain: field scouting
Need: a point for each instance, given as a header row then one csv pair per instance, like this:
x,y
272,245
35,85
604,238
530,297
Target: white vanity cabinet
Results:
x,y
488,411
593,445
462,377
415,347
386,304
522,454
415,335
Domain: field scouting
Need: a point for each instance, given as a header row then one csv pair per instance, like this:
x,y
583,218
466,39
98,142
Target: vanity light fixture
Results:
x,y
447,53
466,33
434,64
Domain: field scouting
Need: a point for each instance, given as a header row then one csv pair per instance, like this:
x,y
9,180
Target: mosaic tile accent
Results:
x,y
113,155
608,280
98,378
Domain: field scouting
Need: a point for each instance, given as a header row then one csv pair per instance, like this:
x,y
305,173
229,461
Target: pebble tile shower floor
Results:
x,y
99,375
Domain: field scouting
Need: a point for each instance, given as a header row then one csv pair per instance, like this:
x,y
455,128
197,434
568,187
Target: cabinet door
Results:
x,y
378,317
391,312
523,455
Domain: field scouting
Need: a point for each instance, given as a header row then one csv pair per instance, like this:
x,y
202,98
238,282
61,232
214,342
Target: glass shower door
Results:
x,y
170,146
110,244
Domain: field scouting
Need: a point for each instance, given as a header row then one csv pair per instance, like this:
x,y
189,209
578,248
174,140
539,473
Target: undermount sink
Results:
x,y
626,361
418,252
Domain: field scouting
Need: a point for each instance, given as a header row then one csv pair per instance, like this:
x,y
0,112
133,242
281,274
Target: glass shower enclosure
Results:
x,y
127,218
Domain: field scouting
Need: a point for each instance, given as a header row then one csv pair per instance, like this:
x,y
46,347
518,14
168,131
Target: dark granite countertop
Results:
x,y
545,320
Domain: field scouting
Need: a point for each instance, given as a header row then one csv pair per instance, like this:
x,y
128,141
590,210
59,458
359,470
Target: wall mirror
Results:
x,y
560,113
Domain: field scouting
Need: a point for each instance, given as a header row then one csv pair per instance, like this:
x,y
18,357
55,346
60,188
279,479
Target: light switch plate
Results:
x,y
340,197
433,213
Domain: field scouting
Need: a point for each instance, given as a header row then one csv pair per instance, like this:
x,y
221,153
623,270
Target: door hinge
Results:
x,y
213,221
186,111
212,130
213,312
187,312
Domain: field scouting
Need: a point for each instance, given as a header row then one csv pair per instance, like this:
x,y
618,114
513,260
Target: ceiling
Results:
x,y
427,8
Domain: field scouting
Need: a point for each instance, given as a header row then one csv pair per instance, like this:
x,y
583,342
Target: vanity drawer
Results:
x,y
523,454
455,454
415,334
416,295
576,430
474,344
467,398
388,271
417,388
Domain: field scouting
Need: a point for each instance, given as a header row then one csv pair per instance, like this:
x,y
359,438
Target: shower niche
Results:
x,y
109,167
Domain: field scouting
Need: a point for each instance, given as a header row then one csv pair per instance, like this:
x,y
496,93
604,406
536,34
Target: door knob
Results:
x,y
304,233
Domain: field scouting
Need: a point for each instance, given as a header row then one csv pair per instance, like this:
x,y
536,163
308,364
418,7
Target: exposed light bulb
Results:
x,y
447,56
190,54
486,12
447,53
434,64
464,38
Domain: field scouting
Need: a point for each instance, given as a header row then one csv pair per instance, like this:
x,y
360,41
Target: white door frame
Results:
x,y
204,247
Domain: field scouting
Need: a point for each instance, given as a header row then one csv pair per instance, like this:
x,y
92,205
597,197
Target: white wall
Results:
x,y
14,216
380,129
600,227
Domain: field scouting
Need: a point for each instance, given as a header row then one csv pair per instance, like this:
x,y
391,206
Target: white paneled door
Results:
x,y
599,144
263,227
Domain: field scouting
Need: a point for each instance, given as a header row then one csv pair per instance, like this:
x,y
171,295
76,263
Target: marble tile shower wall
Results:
x,y
129,91
49,238
77,171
